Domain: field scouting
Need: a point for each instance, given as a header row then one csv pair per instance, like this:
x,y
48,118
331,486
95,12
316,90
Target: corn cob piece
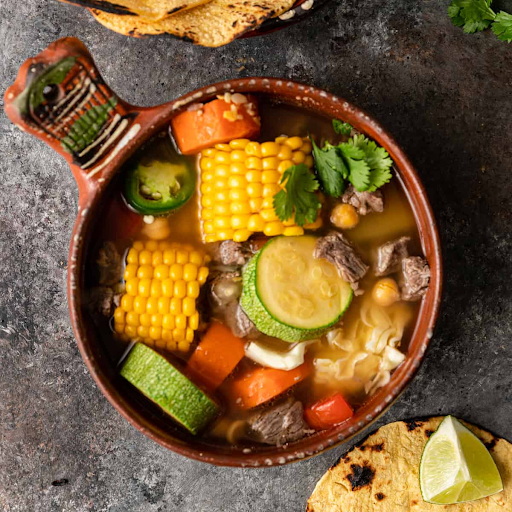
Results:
x,y
238,183
163,281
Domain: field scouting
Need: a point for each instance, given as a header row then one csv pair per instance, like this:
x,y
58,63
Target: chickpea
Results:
x,y
159,229
385,292
344,216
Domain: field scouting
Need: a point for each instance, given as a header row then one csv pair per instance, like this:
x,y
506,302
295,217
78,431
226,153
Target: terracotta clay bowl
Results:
x,y
64,75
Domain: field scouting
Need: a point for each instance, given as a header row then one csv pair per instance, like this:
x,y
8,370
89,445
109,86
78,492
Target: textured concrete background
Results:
x,y
445,95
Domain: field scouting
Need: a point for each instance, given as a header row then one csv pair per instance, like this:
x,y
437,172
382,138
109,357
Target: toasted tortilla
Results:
x,y
148,10
213,24
380,474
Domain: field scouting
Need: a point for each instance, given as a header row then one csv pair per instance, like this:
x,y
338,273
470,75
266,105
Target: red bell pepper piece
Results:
x,y
328,412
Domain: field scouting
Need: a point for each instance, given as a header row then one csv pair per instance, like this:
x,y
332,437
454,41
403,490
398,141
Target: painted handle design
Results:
x,y
60,97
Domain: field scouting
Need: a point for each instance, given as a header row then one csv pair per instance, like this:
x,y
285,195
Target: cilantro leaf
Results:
x,y
471,15
502,26
359,170
341,128
298,196
330,168
455,16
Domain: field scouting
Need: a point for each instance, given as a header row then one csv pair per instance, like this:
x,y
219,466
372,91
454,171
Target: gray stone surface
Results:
x,y
445,95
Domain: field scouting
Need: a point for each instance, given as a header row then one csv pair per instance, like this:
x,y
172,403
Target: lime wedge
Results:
x,y
456,466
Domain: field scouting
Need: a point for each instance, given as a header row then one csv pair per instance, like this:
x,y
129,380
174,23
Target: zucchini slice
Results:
x,y
291,295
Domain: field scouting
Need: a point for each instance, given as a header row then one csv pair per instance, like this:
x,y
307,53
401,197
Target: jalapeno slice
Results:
x,y
158,186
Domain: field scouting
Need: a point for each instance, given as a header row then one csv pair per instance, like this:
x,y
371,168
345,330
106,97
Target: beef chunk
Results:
x,y
103,300
110,265
390,256
231,253
279,424
416,278
363,202
243,326
336,249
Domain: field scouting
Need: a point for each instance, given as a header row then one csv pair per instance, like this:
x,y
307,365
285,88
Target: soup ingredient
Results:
x,y
416,274
364,202
297,200
216,122
359,162
341,128
109,264
216,356
280,424
259,385
231,253
344,216
337,249
289,294
381,473
163,281
391,358
238,183
159,229
102,300
456,466
161,382
477,15
269,358
328,412
160,186
385,292
390,256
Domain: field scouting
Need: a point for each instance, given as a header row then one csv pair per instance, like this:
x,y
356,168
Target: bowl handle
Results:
x,y
60,97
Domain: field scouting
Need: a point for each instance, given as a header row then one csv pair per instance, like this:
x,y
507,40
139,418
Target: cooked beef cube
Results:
x,y
279,424
231,253
390,256
363,202
243,326
103,300
336,249
416,278
110,265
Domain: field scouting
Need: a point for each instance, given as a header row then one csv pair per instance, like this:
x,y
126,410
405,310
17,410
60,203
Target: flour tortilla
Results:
x,y
380,474
213,24
148,10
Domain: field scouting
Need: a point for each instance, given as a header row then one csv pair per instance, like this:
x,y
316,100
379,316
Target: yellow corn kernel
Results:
x,y
309,161
306,146
133,256
206,163
239,208
271,177
168,321
208,176
221,171
130,271
183,346
156,288
181,321
256,223
238,143
269,215
189,335
237,182
142,331
220,184
196,258
202,275
209,227
145,319
161,272
226,234
223,147
222,158
239,194
220,223
119,328
253,149
160,344
180,289
294,143
171,346
285,153
155,333
181,257
270,163
255,189
253,176
255,204
145,272
130,331
238,168
189,307
189,272
169,256
285,165
314,225
163,246
239,221
222,196
119,315
208,152
221,209
268,202
293,231
145,257
152,245
163,305
271,190
167,287
193,289
298,157
254,162
176,272
289,222
156,320
149,342
167,336
273,229
206,188
238,155
210,238
178,334
193,321
127,303
140,304
152,306
132,286
139,245
157,259
241,235
270,149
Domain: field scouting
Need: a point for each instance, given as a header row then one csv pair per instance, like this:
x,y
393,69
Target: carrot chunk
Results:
x,y
216,356
215,122
262,384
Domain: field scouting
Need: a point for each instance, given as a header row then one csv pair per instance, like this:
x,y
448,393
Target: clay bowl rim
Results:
x,y
321,102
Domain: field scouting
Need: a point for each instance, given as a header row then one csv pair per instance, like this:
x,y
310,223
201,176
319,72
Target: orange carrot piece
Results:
x,y
216,356
195,130
262,384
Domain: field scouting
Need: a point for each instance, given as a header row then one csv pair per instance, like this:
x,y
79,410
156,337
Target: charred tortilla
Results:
x,y
213,24
380,474
149,10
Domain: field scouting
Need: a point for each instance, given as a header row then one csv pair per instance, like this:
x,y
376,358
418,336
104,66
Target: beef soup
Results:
x,y
257,272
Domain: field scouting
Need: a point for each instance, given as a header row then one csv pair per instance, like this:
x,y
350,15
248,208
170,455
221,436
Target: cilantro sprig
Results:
x,y
298,196
477,15
359,161
341,128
